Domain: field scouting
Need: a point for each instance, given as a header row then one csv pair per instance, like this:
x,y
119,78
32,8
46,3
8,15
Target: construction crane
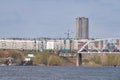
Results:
x,y
68,34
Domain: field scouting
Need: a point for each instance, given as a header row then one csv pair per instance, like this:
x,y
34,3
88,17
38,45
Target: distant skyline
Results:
x,y
52,18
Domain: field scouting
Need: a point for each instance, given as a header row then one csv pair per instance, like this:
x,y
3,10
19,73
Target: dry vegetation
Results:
x,y
103,60
41,58
17,56
48,59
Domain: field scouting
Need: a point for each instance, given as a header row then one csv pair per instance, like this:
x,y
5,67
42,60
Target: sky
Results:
x,y
53,18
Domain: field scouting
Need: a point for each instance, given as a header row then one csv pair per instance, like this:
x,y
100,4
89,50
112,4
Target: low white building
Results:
x,y
20,44
55,44
50,45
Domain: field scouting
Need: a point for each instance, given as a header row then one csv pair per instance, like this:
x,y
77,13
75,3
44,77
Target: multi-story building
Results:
x,y
20,44
82,30
54,44
118,43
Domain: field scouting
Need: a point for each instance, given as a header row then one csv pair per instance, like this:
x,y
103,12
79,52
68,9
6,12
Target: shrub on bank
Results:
x,y
17,56
54,60
47,59
41,58
113,59
97,59
85,60
106,59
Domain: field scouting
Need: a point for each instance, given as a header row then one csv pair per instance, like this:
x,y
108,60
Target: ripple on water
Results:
x,y
58,73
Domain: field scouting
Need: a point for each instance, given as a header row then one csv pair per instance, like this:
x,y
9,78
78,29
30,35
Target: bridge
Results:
x,y
98,46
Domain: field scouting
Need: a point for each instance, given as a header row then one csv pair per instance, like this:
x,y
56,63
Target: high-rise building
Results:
x,y
82,28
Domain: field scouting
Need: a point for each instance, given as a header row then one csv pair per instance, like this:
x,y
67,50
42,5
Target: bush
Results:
x,y
107,59
96,59
16,55
85,60
113,59
54,60
41,58
46,59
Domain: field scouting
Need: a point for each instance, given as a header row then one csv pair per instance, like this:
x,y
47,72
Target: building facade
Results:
x,y
82,28
20,44
39,44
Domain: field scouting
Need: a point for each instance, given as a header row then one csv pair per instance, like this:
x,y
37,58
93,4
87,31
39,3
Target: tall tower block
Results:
x,y
82,28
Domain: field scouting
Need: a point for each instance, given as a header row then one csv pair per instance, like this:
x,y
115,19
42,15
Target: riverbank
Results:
x,y
102,59
16,57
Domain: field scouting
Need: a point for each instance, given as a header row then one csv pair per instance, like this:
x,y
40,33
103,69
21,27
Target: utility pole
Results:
x,y
35,43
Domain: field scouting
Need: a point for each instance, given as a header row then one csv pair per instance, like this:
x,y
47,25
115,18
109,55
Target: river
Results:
x,y
59,73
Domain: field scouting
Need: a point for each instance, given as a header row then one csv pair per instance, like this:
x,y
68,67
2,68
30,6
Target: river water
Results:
x,y
59,73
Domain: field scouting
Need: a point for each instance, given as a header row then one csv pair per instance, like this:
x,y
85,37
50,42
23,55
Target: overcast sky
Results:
x,y
52,18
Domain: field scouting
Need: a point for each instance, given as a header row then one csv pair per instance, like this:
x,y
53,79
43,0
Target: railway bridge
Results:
x,y
109,46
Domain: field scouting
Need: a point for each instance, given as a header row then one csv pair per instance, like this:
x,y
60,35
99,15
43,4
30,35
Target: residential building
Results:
x,y
82,28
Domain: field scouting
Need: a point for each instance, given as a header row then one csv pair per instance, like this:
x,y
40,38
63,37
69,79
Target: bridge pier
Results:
x,y
79,59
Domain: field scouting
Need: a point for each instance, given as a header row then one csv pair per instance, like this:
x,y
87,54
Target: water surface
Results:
x,y
59,73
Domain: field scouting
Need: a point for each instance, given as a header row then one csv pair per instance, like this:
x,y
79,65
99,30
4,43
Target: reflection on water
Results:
x,y
59,73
